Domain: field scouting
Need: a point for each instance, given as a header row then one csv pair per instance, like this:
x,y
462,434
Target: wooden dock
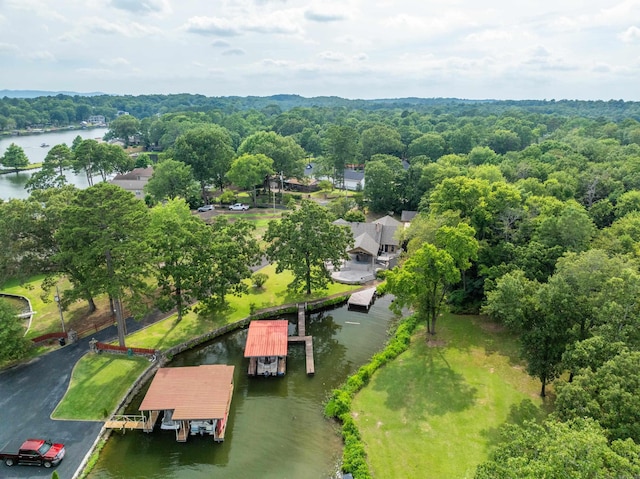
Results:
x,y
362,298
308,346
301,337
123,422
302,319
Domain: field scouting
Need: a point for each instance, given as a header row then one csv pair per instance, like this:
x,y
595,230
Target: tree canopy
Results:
x,y
305,241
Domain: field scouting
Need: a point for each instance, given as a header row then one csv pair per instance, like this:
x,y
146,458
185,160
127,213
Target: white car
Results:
x,y
238,207
204,208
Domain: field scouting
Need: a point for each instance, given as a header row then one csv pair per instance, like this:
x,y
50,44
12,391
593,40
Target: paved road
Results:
x,y
28,395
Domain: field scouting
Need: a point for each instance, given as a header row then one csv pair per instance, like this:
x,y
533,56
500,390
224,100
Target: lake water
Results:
x,y
276,426
12,185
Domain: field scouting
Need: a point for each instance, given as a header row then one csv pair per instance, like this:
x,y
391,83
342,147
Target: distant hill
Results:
x,y
37,93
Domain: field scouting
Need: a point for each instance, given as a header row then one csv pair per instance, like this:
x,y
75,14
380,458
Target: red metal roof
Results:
x,y
193,392
267,338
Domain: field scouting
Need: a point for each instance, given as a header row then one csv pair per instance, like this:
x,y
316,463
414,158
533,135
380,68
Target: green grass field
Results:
x,y
98,384
435,411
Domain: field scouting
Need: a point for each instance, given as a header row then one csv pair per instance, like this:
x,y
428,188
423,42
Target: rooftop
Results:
x,y
267,338
193,392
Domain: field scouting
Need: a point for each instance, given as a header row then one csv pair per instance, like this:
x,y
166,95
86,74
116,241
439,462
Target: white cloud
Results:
x,y
42,55
126,29
8,48
212,26
325,12
630,35
352,48
220,44
286,22
332,56
138,7
114,62
234,52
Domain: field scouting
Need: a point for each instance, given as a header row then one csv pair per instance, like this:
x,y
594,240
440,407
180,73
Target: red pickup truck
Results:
x,y
35,452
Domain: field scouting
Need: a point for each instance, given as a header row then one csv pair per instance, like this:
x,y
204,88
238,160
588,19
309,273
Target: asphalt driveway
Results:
x,y
28,395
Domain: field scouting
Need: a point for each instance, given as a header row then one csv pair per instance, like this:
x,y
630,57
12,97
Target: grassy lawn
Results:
x,y
167,333
112,375
435,411
98,383
47,317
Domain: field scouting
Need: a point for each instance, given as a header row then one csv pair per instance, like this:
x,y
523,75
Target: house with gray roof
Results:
x,y
375,246
134,180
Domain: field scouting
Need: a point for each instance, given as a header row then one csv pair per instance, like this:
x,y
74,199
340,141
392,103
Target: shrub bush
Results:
x,y
259,279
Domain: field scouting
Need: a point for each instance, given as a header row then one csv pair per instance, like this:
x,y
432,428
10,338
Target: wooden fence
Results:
x,y
124,349
48,337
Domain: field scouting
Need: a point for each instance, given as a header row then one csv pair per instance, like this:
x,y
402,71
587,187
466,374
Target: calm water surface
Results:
x,y
12,185
276,427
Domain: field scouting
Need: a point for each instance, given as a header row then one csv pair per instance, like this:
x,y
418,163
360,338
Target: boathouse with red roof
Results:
x,y
267,347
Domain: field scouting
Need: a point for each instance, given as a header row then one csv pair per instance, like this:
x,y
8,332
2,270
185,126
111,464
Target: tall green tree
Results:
x,y
560,450
608,394
179,239
248,170
105,232
111,158
124,128
13,344
287,155
14,157
431,145
422,282
522,306
228,260
51,175
381,139
304,242
209,151
84,158
172,179
381,187
341,147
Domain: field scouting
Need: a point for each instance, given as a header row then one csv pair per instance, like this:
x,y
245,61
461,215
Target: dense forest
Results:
x,y
62,110
534,206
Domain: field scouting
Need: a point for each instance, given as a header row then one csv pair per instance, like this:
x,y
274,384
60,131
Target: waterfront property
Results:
x,y
375,247
193,400
266,347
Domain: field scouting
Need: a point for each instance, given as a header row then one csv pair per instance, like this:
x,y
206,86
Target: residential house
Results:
x,y
375,246
406,217
134,180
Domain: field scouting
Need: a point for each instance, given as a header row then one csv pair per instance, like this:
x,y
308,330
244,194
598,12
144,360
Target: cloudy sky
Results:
x,y
499,49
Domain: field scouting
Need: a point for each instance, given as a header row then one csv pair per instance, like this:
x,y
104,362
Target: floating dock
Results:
x,y
362,299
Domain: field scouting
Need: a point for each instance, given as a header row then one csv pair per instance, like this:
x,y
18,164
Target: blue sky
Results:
x,y
498,49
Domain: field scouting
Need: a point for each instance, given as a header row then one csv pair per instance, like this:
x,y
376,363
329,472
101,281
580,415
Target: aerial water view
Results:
x,y
286,239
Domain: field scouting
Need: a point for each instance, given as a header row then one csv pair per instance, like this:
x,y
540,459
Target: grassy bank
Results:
x,y
110,374
435,411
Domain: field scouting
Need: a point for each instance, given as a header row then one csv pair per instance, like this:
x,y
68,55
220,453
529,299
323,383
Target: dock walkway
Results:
x,y
301,337
123,422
